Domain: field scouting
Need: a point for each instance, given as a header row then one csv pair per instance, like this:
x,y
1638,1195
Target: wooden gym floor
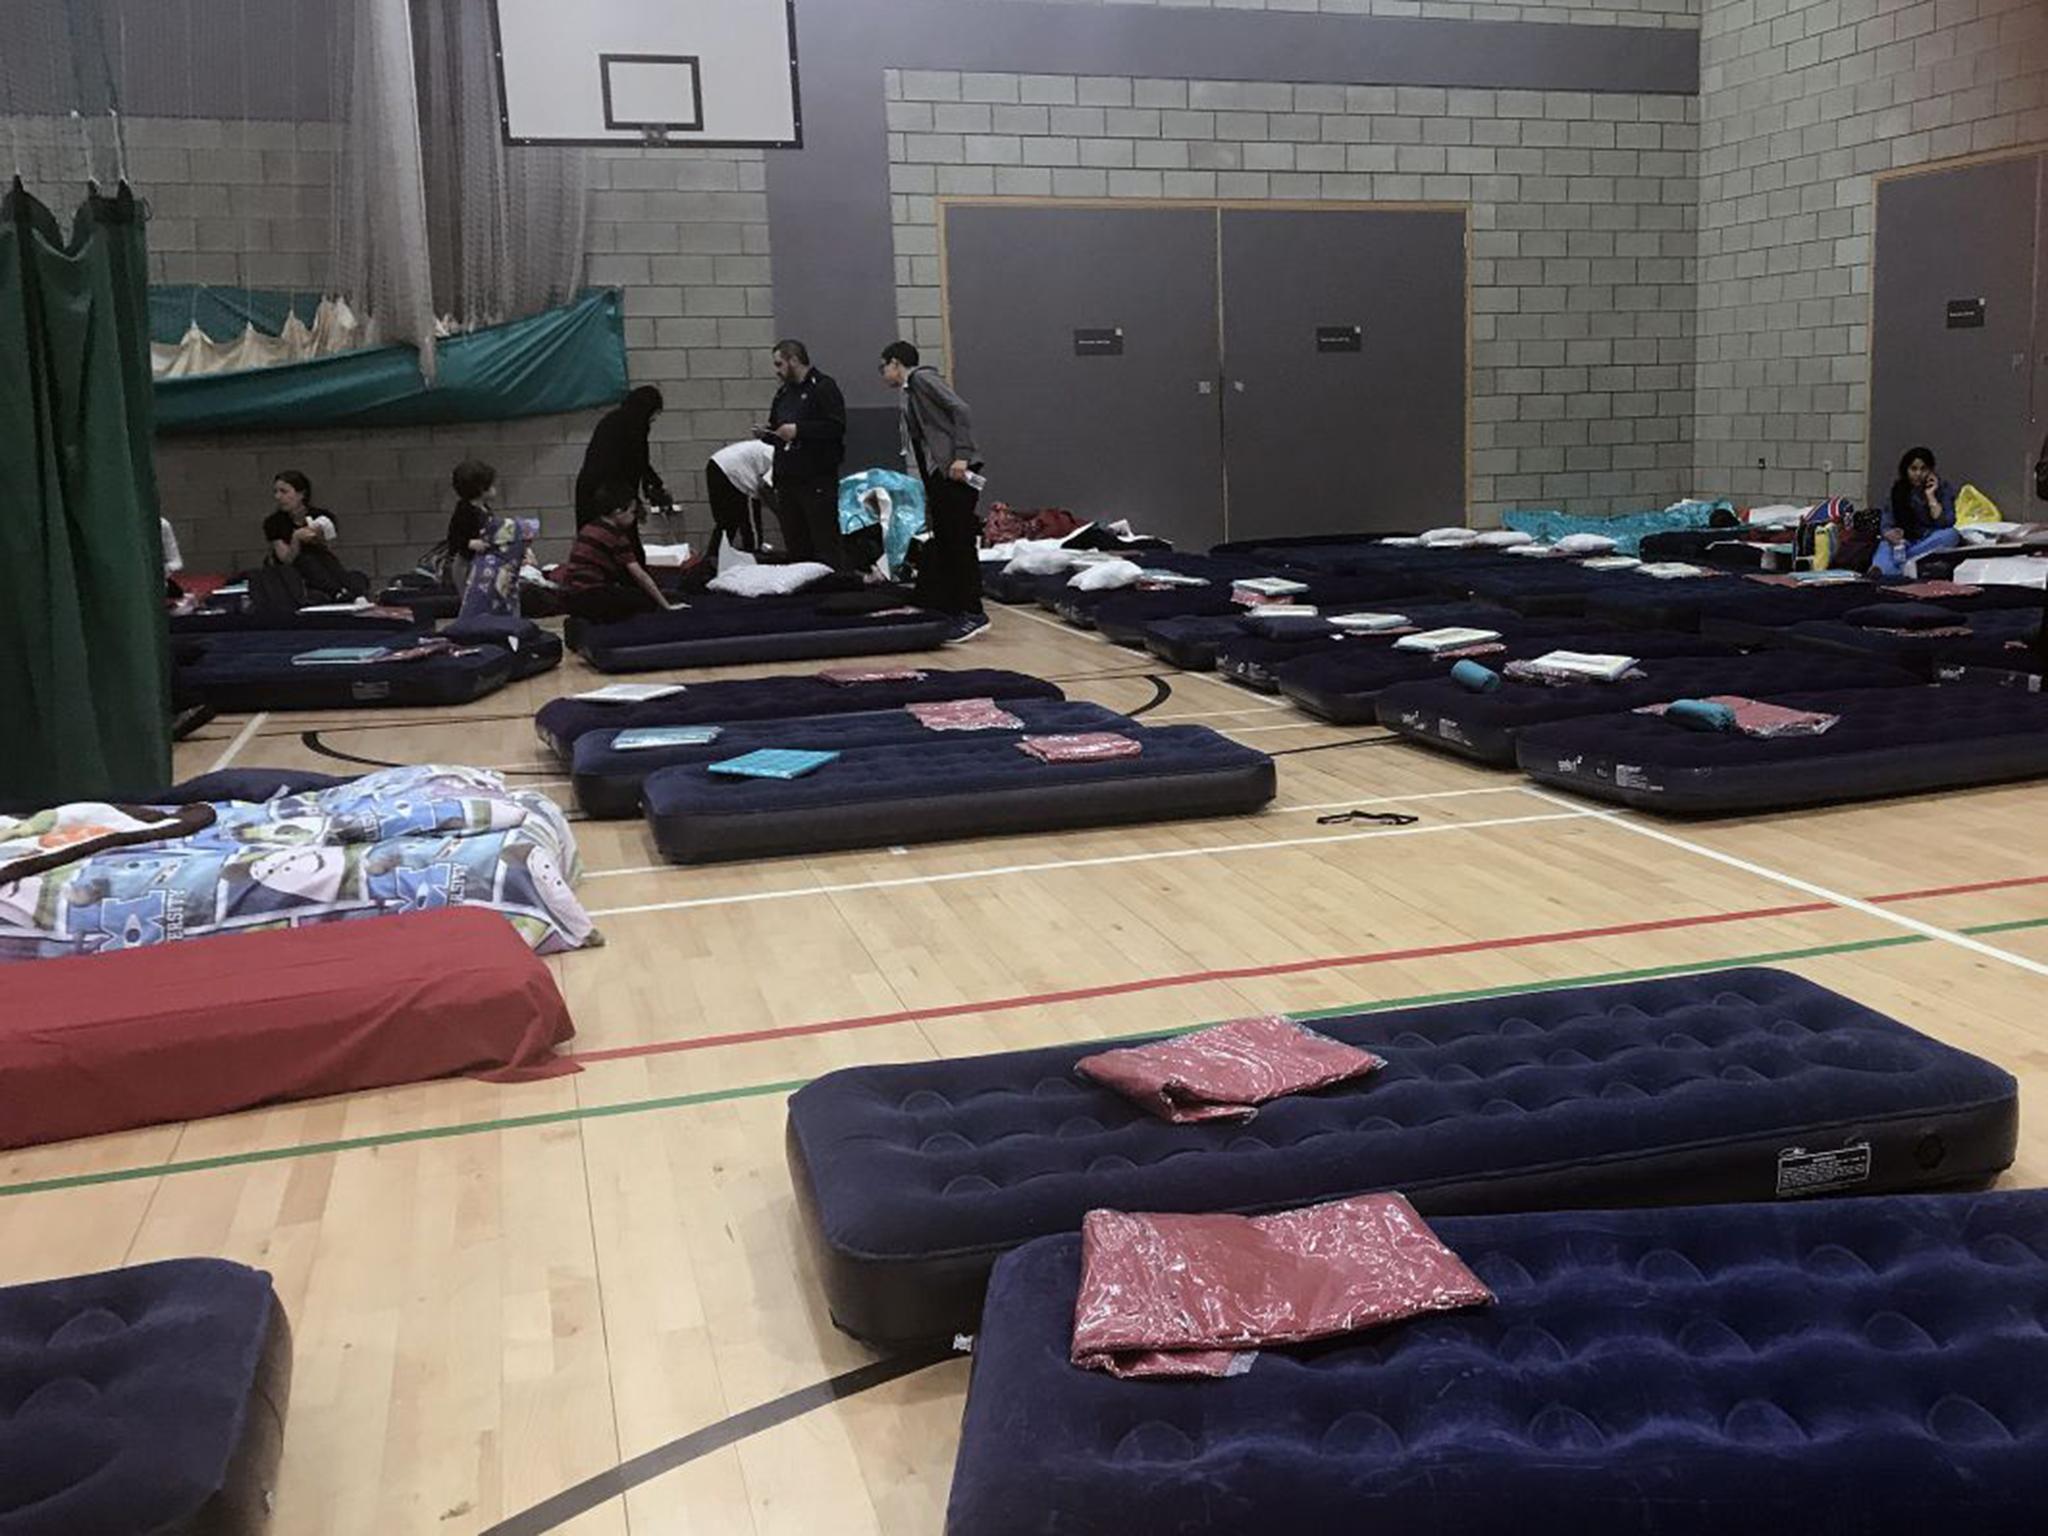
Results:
x,y
499,1293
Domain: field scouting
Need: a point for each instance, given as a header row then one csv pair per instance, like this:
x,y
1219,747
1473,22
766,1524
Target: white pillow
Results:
x,y
1039,557
1436,536
769,580
1107,576
1585,544
1503,538
1777,517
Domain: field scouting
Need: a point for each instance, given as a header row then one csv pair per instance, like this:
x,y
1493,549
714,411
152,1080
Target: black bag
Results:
x,y
2041,473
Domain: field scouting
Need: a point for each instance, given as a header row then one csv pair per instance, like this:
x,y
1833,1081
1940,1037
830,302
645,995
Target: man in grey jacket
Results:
x,y
938,443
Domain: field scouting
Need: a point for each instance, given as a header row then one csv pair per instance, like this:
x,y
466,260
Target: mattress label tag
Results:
x,y
364,692
1450,730
1801,1172
1629,776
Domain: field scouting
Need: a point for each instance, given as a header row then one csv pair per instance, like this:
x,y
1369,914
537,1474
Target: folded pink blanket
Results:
x,y
1937,589
1084,747
964,715
1755,719
1165,1295
1226,1071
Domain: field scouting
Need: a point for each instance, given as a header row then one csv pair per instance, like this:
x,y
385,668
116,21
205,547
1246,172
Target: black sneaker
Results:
x,y
967,627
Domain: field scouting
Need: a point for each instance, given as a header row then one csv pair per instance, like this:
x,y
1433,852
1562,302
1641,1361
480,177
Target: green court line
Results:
x,y
762,1090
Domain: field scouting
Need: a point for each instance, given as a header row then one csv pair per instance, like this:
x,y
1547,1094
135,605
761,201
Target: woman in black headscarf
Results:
x,y
618,455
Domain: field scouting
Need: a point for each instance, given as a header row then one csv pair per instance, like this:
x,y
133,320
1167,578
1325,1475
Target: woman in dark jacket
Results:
x,y
618,455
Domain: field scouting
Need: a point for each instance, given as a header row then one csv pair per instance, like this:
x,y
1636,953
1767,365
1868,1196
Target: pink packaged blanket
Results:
x,y
1225,1072
1754,719
964,715
1167,1295
1083,747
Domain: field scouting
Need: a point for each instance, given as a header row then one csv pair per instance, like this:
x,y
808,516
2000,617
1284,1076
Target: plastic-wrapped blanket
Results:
x,y
1226,1072
399,840
1198,1295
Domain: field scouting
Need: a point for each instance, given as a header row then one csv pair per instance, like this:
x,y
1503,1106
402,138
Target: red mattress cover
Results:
x,y
100,1043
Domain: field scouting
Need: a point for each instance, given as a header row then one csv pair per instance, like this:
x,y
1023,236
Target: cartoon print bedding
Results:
x,y
397,840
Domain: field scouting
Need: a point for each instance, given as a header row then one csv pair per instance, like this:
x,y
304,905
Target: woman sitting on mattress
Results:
x,y
1919,519
605,577
302,536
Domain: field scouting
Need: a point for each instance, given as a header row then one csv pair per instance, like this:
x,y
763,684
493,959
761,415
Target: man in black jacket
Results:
x,y
807,425
618,455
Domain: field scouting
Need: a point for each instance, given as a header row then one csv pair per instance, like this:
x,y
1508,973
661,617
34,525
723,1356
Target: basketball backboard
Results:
x,y
649,72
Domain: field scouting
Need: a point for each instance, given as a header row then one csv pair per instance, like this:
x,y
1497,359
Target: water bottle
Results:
x,y
974,481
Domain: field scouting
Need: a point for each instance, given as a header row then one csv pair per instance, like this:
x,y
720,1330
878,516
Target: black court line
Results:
x,y
1355,741
1162,690
399,725
312,742
570,1503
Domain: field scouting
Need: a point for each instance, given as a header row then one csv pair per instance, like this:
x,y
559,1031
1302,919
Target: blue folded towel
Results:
x,y
1700,715
1469,674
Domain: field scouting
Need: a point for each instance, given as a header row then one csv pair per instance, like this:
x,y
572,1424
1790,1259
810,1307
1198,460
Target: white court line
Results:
x,y
1062,864
1807,887
1301,725
1271,810
233,748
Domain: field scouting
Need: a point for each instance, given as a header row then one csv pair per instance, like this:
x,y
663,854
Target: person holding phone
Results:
x,y
807,429
937,431
1920,517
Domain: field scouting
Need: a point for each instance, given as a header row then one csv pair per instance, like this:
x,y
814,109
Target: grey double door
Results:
x,y
1215,373
1959,326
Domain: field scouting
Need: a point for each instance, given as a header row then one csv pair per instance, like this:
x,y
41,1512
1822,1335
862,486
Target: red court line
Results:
x,y
1190,978
1253,972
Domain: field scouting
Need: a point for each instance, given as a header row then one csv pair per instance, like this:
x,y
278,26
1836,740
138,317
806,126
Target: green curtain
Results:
x,y
84,656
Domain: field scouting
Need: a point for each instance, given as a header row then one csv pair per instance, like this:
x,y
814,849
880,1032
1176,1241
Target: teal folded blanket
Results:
x,y
1701,715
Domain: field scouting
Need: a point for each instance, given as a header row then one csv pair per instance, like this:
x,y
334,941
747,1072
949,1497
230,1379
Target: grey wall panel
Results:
x,y
1132,435
1967,233
1332,441
828,202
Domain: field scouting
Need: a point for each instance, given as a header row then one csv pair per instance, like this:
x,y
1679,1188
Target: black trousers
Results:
x,y
809,513
732,512
606,604
949,570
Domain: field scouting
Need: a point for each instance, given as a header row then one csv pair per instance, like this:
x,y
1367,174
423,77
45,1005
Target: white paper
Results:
x,y
629,693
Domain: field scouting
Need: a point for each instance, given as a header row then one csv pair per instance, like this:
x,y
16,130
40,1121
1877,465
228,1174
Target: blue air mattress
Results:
x,y
1257,663
1741,1085
371,627
1018,586
255,671
2001,640
142,1402
560,721
1193,642
1216,573
1549,587
608,780
1438,712
927,791
1889,741
1644,602
1845,1368
1129,620
753,630
1342,684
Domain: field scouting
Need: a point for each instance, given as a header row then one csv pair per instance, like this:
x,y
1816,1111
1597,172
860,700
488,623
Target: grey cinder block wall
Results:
x,y
1803,105
1666,287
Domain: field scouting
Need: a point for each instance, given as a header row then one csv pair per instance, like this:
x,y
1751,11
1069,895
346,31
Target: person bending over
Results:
x,y
605,577
302,536
938,442
738,481
1920,517
618,454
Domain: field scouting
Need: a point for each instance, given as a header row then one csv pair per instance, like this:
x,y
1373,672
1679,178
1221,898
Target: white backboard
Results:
x,y
649,72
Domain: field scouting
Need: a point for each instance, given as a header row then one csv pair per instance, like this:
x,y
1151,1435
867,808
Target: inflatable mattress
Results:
x,y
1742,1085
2000,640
1890,741
142,1402
1194,642
560,721
1848,1366
925,791
255,670
1549,587
1130,620
1256,661
1441,713
755,630
608,780
1343,684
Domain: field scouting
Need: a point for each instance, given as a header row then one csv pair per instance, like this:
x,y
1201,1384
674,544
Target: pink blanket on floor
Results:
x,y
1165,1295
964,715
1083,747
